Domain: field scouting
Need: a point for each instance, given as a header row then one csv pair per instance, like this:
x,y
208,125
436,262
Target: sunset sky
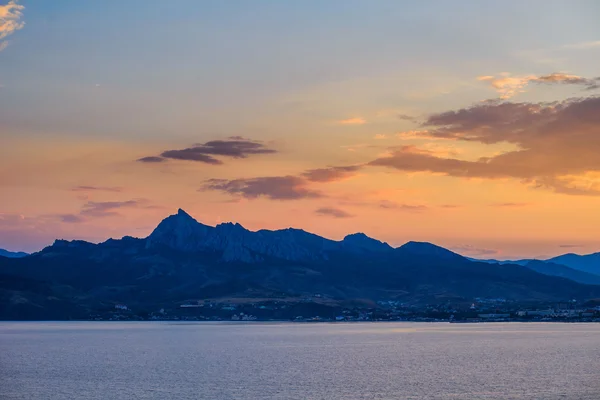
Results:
x,y
473,125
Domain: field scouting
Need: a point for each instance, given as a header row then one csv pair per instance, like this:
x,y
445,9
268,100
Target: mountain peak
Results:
x,y
362,241
182,213
427,249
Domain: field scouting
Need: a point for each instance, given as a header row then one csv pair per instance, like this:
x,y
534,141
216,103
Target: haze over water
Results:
x,y
140,360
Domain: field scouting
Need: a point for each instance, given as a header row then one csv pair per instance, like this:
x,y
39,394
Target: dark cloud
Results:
x,y
569,246
558,143
97,188
405,117
333,212
151,159
331,174
558,77
233,147
273,187
191,154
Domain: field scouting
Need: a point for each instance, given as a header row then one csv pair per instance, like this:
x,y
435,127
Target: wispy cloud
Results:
x,y
508,86
414,134
101,209
473,251
387,204
113,189
353,121
10,21
333,212
509,205
583,45
108,208
569,246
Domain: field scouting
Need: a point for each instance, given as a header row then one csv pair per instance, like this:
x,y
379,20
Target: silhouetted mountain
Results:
x,y
361,242
12,254
523,262
550,268
183,259
587,263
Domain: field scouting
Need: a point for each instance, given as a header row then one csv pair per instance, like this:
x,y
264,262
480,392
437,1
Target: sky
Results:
x,y
473,125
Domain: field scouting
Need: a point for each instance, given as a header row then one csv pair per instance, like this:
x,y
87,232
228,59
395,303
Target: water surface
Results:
x,y
159,360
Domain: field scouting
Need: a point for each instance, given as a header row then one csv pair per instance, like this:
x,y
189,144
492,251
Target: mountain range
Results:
x,y
12,254
184,260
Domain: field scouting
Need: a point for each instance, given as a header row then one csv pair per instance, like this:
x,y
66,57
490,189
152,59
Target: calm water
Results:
x,y
138,360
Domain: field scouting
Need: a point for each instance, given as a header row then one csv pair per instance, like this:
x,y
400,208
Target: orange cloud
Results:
x,y
411,135
508,86
567,164
10,20
353,121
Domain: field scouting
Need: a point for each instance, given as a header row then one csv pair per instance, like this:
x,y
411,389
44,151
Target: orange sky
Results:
x,y
106,133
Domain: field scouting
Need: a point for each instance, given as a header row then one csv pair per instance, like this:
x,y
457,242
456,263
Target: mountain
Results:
x,y
587,263
493,261
12,254
554,269
547,267
183,260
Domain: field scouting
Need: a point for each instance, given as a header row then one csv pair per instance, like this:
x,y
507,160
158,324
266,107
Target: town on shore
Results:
x,y
318,309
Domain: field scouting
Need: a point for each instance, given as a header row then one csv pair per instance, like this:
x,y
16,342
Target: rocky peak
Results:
x,y
426,249
179,231
361,241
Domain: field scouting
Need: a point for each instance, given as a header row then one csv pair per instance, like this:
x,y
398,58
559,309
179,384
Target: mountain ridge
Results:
x,y
184,259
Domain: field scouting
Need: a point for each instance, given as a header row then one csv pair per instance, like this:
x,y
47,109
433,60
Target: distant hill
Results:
x,y
12,254
183,259
588,263
554,269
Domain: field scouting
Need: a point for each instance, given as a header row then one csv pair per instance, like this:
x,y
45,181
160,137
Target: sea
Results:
x,y
387,360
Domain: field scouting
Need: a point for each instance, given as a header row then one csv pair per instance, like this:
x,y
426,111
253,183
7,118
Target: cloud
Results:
x,y
273,187
107,208
509,205
569,246
415,134
287,187
331,174
508,86
151,159
450,206
113,189
380,136
333,212
233,147
10,20
71,218
583,45
387,204
473,251
558,144
352,121
406,117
